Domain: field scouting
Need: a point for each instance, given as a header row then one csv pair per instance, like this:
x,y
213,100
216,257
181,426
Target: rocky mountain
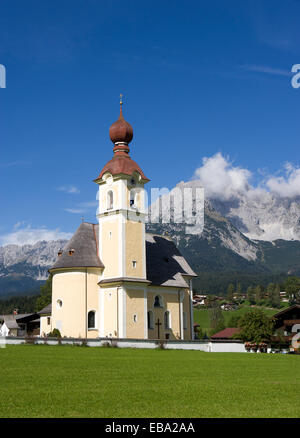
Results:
x,y
257,213
225,246
24,268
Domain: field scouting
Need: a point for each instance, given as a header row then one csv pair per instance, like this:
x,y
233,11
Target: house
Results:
x,y
286,322
113,279
199,300
225,334
45,320
284,297
229,306
20,324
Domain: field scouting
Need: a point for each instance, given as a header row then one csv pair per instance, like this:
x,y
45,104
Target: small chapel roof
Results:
x,y
81,251
164,263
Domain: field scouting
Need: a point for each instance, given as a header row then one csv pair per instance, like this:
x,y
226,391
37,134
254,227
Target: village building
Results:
x,y
16,324
225,334
287,324
113,279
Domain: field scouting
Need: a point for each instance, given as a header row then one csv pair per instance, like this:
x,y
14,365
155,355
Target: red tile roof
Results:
x,y
226,333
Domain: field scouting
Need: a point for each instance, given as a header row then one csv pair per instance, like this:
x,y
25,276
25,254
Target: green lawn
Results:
x,y
201,317
70,381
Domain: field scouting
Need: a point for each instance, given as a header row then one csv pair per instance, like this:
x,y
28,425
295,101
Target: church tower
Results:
x,y
122,243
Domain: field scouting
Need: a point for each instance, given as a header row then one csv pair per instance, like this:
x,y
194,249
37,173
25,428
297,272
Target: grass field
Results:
x,y
201,317
72,381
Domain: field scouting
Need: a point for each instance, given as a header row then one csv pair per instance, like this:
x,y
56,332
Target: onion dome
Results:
x,y
121,131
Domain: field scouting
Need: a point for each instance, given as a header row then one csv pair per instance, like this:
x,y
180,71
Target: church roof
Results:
x,y
165,264
121,134
81,251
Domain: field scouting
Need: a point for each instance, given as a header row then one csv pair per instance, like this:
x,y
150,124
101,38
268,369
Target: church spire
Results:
x,y
121,132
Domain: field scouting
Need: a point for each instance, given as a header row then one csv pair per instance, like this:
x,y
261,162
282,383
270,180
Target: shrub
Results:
x,y
54,334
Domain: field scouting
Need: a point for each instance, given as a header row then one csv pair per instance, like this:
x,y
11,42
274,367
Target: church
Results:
x,y
112,279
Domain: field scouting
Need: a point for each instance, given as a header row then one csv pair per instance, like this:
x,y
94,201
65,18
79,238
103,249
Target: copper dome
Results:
x,y
121,131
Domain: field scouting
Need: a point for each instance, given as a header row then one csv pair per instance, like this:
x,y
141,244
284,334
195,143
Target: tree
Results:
x,y
45,296
274,297
251,295
270,289
239,291
216,318
230,292
234,321
258,294
292,287
256,326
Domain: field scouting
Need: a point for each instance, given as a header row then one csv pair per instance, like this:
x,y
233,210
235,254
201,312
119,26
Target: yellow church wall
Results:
x,y
186,310
110,247
171,303
45,328
135,306
93,300
110,311
134,248
78,291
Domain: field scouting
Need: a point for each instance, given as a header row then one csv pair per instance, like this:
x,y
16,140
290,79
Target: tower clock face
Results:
x,y
109,181
133,182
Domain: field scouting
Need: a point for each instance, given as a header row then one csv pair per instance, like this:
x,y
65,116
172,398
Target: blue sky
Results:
x,y
198,78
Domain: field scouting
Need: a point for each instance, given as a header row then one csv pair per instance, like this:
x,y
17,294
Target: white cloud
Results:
x,y
266,69
75,210
287,185
88,204
69,189
28,235
221,179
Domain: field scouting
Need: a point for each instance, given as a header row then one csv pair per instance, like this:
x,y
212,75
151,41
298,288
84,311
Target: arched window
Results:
x,y
184,321
150,320
158,301
110,200
91,319
167,319
133,199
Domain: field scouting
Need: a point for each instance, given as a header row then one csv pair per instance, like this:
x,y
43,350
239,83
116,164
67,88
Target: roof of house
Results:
x,y
46,310
12,321
286,310
11,324
165,265
226,333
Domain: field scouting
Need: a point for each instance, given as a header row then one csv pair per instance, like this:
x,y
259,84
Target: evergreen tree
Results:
x,y
251,295
46,295
216,318
230,292
258,294
274,297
